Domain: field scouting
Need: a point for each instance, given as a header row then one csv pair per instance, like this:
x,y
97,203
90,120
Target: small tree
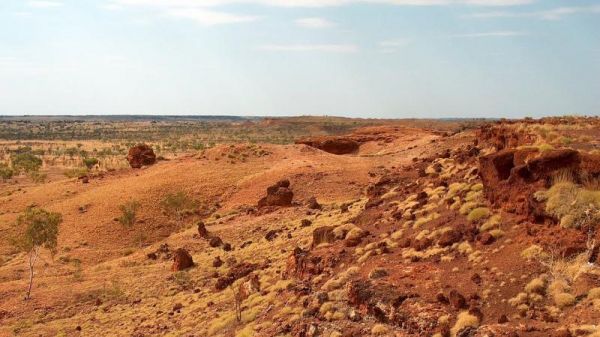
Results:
x,y
39,230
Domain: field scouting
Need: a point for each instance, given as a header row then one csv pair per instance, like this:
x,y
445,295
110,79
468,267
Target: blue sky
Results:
x,y
361,58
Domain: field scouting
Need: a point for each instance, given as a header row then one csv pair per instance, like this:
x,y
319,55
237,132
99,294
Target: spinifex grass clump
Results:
x,y
573,204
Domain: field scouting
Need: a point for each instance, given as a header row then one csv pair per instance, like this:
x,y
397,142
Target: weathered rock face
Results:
x,y
503,137
182,260
510,177
141,155
278,195
335,145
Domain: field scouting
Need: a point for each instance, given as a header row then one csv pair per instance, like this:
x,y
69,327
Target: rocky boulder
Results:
x,y
279,194
182,260
141,155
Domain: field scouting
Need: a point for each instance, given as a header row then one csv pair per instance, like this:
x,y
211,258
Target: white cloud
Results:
x,y
43,4
209,17
392,46
329,48
550,14
314,23
505,33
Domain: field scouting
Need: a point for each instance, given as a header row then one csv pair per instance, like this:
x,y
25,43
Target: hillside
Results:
x,y
415,232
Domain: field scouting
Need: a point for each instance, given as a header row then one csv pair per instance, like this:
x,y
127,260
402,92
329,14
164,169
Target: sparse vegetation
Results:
x,y
129,213
178,204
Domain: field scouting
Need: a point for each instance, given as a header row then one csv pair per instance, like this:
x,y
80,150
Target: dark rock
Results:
x,y
215,241
312,203
450,237
457,301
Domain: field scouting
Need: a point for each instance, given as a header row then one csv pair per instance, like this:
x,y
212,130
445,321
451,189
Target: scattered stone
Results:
x,y
217,262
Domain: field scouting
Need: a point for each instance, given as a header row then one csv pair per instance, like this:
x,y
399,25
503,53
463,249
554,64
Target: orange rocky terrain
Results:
x,y
386,231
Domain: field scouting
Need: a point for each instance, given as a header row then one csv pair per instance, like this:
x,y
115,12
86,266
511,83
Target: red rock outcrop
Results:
x,y
141,155
335,145
302,265
511,176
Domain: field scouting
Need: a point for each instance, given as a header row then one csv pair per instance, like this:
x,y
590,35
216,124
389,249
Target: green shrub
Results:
x,y
90,162
26,162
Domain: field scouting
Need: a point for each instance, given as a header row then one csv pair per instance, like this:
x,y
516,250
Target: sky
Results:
x,y
357,58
